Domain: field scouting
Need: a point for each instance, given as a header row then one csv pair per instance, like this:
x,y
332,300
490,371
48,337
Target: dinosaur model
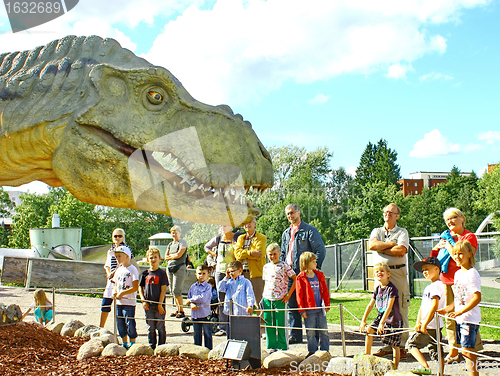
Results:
x,y
115,130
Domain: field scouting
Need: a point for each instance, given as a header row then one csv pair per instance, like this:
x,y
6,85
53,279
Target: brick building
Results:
x,y
415,184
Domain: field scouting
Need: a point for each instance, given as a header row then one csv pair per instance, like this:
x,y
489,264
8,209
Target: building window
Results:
x,y
416,185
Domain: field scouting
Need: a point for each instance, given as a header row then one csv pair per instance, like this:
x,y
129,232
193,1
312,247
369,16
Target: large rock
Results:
x,y
71,327
90,349
341,366
86,331
217,351
317,362
56,327
280,359
400,373
194,352
369,365
167,349
100,332
114,349
140,349
106,339
10,314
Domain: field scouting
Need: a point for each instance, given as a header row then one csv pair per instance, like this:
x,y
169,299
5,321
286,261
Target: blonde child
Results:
x,y
465,307
126,280
426,328
276,274
312,292
43,307
386,299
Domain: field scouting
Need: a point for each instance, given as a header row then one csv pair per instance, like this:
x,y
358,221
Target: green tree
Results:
x,y
378,164
32,212
489,194
6,206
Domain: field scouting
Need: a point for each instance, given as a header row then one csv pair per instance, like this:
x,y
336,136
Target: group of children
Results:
x,y
465,310
313,301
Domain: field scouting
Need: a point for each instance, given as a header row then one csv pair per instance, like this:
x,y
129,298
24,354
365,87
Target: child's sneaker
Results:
x,y
126,345
421,371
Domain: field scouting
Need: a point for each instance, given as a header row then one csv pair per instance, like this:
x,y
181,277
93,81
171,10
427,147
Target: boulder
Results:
x,y
100,332
55,327
341,366
90,349
401,373
280,359
106,339
369,365
114,349
217,351
140,349
10,314
71,327
86,331
317,362
194,352
167,350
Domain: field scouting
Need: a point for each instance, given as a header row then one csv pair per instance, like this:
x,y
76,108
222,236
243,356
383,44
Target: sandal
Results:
x,y
450,360
180,315
174,314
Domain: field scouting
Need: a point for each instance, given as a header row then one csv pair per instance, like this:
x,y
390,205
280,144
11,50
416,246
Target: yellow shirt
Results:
x,y
255,265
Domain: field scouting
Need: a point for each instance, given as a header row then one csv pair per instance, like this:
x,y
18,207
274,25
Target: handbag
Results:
x,y
172,268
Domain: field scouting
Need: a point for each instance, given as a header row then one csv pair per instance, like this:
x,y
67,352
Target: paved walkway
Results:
x,y
489,278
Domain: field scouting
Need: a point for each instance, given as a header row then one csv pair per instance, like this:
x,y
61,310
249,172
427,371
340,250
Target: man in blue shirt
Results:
x,y
300,237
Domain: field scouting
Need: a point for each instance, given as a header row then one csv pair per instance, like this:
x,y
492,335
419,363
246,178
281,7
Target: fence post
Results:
x,y
53,304
439,348
411,272
337,263
363,265
342,332
114,318
28,274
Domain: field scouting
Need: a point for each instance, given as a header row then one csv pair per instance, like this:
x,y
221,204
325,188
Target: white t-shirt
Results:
x,y
467,282
436,288
124,278
398,235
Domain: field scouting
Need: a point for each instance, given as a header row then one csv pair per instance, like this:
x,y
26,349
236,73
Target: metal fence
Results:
x,y
348,265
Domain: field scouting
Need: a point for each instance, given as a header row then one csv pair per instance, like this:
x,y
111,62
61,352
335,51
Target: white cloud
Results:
x,y
241,50
319,99
351,171
398,71
435,76
433,144
490,136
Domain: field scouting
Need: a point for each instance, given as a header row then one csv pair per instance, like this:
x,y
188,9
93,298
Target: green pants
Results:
x,y
276,337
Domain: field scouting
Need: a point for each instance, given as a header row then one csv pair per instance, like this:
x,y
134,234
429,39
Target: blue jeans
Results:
x,y
207,332
156,322
294,317
466,335
317,320
222,295
125,321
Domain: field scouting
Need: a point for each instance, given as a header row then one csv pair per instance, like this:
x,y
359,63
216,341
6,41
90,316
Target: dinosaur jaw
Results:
x,y
155,178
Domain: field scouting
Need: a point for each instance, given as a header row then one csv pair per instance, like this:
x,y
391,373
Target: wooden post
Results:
x,y
28,274
342,331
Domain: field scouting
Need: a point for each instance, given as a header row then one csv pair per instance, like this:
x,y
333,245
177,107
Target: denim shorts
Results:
x,y
106,304
466,335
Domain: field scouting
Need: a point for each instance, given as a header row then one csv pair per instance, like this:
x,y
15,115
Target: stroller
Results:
x,y
213,317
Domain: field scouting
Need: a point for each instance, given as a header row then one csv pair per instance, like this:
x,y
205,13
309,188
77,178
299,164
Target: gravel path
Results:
x,y
87,310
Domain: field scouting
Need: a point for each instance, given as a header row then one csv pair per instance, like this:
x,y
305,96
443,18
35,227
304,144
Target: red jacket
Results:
x,y
305,294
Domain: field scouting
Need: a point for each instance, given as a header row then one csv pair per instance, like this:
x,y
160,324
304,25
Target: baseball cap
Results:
x,y
428,260
124,249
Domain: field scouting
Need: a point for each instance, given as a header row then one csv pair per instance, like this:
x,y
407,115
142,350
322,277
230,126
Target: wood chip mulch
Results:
x,y
28,349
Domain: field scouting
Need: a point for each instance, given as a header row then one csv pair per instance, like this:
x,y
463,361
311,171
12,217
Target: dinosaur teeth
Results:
x,y
247,188
168,157
186,178
177,167
237,194
193,188
262,189
208,189
216,193
227,191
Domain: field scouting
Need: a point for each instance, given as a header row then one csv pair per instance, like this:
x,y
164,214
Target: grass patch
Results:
x,y
357,307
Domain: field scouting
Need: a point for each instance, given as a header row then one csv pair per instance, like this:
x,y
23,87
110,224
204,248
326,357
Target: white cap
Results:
x,y
124,249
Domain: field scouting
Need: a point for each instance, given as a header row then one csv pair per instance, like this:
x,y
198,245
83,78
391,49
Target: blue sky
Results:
x,y
422,74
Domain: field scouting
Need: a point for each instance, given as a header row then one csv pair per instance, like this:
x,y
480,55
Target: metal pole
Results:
x,y
114,316
363,266
53,304
438,339
229,319
342,332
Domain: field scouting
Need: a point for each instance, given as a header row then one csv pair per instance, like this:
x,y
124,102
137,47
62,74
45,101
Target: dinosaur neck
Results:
x,y
27,155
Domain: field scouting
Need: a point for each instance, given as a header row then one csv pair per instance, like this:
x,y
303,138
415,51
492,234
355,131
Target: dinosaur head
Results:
x,y
143,142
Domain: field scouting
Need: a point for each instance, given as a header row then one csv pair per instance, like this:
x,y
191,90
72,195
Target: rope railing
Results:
x,y
343,328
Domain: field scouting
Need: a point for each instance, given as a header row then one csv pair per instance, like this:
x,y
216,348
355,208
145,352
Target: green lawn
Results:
x,y
357,307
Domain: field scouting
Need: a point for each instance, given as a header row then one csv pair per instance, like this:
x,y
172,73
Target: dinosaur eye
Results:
x,y
154,97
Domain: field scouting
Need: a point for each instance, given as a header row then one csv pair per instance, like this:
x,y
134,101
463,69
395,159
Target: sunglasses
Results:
x,y
118,236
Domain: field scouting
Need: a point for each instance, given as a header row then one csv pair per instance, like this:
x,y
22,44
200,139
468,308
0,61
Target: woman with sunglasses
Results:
x,y
118,239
